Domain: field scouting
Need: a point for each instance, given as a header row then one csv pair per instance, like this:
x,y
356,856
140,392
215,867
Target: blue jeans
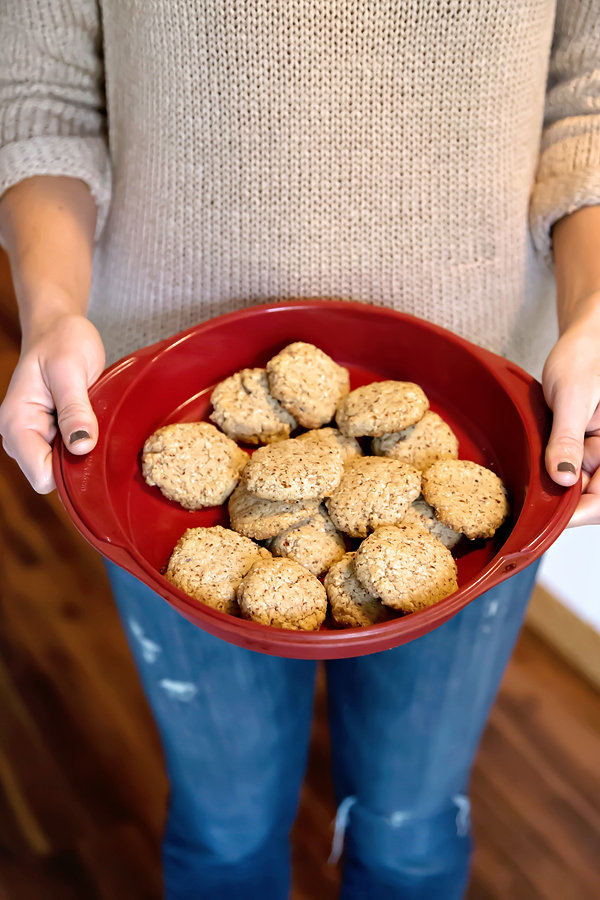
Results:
x,y
235,725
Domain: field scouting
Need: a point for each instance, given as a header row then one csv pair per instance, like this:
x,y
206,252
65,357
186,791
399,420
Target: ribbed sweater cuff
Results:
x,y
74,156
568,178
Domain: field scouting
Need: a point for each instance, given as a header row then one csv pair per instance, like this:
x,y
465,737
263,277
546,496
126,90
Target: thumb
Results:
x,y
68,384
571,416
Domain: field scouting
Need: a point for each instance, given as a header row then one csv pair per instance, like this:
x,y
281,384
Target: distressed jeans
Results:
x,y
235,725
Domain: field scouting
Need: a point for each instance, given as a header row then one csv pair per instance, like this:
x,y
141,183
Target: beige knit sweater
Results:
x,y
378,150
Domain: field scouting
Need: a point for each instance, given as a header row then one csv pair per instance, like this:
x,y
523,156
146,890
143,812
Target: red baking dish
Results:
x,y
496,409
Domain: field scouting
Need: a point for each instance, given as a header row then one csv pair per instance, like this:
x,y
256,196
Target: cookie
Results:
x,y
349,446
381,408
349,602
421,513
245,410
420,444
193,463
406,566
308,383
209,564
373,491
263,519
294,470
282,593
315,543
466,496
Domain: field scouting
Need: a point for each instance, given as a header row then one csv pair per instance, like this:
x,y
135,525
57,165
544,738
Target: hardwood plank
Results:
x,y
123,862
528,810
42,817
531,833
59,876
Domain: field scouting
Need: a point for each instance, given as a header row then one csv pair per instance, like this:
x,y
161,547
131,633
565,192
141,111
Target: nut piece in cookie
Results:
x,y
350,603
209,564
308,383
373,491
420,444
245,410
315,543
406,566
263,519
421,513
294,470
282,593
349,446
193,463
381,408
466,496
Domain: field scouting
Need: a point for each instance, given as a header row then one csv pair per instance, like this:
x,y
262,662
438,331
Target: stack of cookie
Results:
x,y
374,505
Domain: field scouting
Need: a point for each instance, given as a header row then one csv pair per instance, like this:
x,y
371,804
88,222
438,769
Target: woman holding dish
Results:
x,y
164,163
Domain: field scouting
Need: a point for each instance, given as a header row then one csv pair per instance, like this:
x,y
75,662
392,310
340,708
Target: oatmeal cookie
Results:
x,y
294,470
350,603
466,496
282,593
380,408
263,519
209,564
373,491
308,383
193,463
406,566
420,444
315,543
421,513
349,446
245,410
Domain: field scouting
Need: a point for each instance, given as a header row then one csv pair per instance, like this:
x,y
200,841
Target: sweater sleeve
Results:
x,y
52,106
568,173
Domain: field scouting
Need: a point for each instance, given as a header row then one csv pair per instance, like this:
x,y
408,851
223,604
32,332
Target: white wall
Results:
x,y
570,571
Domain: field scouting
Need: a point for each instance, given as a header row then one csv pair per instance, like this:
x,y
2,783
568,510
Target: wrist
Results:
x,y
579,311
576,241
42,308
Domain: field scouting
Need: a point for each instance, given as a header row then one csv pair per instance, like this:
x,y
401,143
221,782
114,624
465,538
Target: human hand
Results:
x,y
571,381
49,392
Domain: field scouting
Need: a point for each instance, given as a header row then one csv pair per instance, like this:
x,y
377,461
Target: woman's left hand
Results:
x,y
571,381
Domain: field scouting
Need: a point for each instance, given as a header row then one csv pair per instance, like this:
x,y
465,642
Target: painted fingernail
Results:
x,y
566,467
80,435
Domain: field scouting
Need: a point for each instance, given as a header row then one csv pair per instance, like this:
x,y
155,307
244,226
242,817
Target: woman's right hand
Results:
x,y
48,393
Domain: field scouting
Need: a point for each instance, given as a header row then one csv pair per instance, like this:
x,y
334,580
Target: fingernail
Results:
x,y
567,467
82,435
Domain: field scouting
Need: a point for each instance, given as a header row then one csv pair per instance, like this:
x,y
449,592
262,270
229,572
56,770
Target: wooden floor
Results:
x,y
81,779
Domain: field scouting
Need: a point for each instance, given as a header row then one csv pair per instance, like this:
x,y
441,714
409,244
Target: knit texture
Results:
x,y
568,174
268,149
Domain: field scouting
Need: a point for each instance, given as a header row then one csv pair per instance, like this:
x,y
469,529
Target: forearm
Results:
x,y
47,227
576,243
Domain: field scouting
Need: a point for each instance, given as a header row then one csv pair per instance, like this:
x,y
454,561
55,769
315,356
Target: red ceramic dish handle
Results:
x,y
87,478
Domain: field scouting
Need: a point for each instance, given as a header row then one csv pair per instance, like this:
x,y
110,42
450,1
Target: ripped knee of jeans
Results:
x,y
402,837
